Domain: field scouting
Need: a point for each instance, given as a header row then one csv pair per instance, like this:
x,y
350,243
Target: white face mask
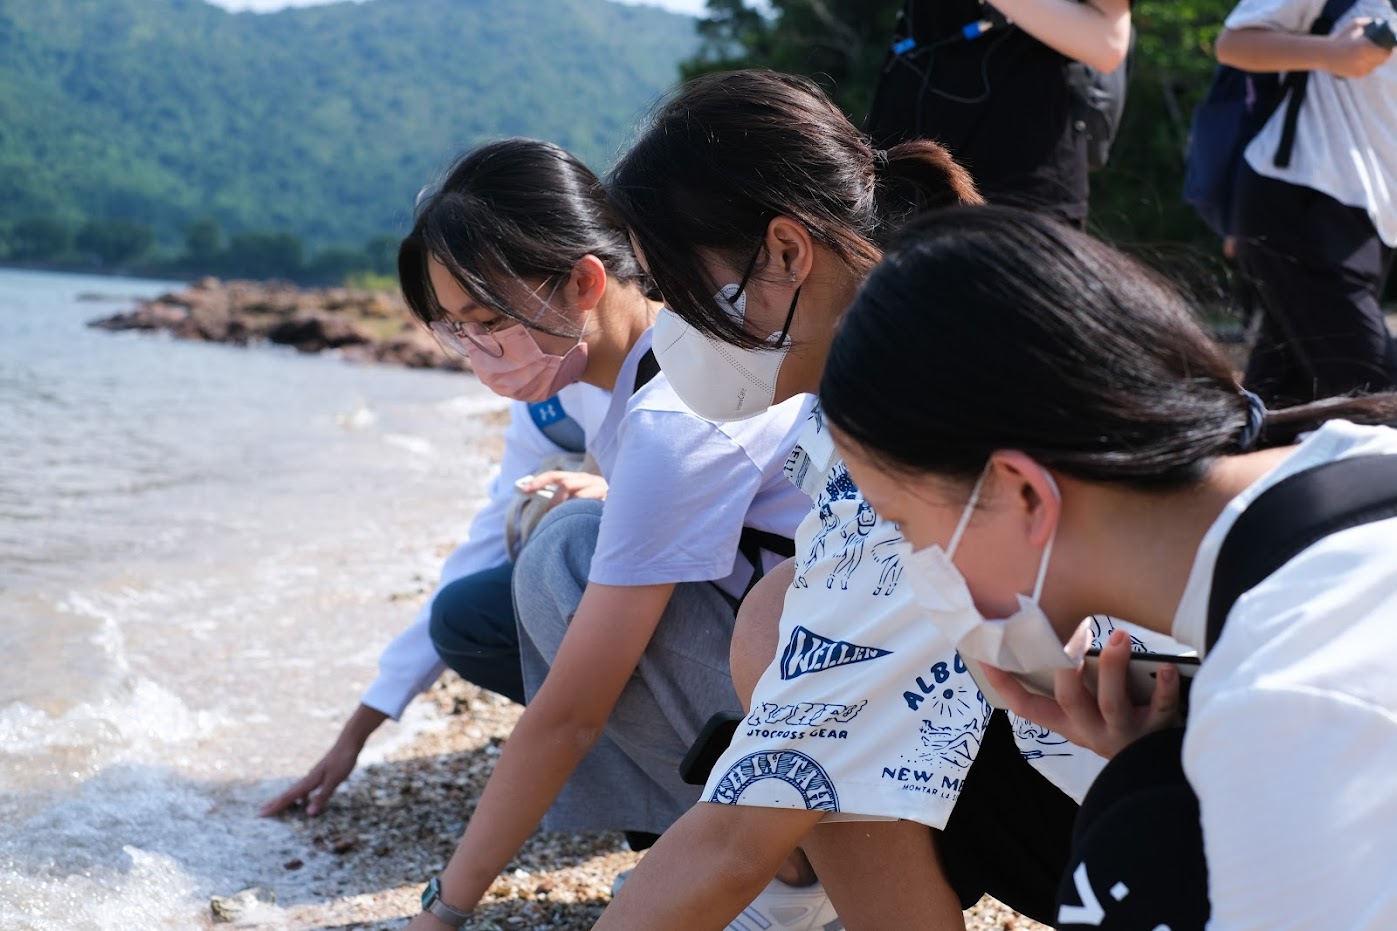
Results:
x,y
1023,643
719,381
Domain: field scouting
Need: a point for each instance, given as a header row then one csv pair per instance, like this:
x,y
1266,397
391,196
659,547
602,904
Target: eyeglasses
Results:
x,y
454,335
458,335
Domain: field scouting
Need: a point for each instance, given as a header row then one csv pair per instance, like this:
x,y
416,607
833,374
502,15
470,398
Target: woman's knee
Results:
x,y
564,540
757,630
474,615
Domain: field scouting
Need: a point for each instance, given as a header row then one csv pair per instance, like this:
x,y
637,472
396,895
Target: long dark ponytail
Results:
x,y
997,328
732,151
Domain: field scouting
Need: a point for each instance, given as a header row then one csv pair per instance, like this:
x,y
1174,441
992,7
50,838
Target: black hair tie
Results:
x,y
880,160
1256,420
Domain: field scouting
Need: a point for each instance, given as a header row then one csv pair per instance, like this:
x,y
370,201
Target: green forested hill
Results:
x,y
320,121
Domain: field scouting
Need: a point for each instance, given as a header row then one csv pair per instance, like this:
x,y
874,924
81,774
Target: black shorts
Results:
x,y
1010,833
1137,859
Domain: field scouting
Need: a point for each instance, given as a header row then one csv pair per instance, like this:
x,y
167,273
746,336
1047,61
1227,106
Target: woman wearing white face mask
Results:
x,y
625,611
758,208
1123,458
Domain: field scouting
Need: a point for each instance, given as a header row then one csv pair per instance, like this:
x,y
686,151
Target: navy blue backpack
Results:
x,y
1237,106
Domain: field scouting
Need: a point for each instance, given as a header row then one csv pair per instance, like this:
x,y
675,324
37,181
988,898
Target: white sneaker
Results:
x,y
788,908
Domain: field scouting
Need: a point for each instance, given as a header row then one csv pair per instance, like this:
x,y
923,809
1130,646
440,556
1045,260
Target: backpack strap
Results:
x,y
558,425
751,544
1292,515
646,369
1298,82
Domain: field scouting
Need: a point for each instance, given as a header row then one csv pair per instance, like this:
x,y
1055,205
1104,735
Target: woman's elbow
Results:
x,y
1226,49
1109,54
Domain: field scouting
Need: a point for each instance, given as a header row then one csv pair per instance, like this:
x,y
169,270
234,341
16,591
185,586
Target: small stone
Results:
x,y
232,907
293,864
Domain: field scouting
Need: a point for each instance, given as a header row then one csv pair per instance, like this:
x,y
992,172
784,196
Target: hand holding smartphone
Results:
x,y
1142,671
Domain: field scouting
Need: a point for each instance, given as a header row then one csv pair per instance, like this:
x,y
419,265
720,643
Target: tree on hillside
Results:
x,y
264,255
335,264
381,253
40,239
114,243
203,240
320,121
842,43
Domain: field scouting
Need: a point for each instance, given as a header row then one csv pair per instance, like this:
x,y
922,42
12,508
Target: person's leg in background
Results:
x,y
475,634
1318,268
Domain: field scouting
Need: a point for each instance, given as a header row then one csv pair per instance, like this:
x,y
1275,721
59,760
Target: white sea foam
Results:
x,y
472,404
140,847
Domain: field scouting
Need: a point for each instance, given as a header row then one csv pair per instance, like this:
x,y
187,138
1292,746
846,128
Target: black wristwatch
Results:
x,y
431,902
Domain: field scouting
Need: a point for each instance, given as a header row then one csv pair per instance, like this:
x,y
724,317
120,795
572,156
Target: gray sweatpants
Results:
x,y
630,779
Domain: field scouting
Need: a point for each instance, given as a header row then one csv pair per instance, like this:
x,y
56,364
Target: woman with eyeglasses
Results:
x,y
626,607
758,210
1078,426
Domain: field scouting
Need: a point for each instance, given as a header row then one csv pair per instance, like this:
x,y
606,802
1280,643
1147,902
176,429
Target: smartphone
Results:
x,y
1143,669
522,484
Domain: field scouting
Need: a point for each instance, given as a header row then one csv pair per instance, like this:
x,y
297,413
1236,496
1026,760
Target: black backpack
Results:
x,y
1098,101
1097,97
1236,107
1292,515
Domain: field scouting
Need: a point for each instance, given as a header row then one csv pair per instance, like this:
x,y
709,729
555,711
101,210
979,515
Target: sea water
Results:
x,y
202,551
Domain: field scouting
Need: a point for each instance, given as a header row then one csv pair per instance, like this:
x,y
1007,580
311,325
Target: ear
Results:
x,y
587,283
1030,489
791,249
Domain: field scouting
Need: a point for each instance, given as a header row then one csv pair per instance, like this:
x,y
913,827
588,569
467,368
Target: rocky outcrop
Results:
x,y
366,326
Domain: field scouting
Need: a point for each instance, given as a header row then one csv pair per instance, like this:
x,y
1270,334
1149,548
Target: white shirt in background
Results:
x,y
1346,134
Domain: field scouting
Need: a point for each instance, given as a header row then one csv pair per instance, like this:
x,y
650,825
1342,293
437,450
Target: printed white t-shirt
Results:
x,y
682,488
1346,133
1291,743
868,711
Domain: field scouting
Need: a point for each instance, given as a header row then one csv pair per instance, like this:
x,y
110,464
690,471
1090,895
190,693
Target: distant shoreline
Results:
x,y
364,326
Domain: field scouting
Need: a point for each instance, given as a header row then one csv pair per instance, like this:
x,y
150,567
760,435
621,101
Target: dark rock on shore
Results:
x,y
365,326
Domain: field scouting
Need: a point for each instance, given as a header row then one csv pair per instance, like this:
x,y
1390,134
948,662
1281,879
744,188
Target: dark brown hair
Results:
x,y
733,151
507,211
997,328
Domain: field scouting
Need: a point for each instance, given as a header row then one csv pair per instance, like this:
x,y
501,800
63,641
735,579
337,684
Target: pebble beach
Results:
x,y
396,822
